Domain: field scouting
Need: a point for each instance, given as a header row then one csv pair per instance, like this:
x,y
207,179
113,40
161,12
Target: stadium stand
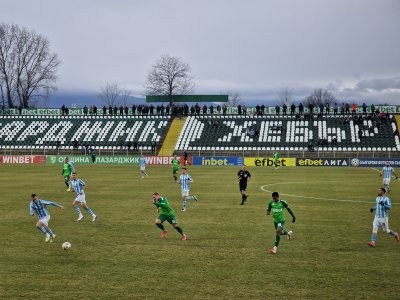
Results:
x,y
287,133
100,132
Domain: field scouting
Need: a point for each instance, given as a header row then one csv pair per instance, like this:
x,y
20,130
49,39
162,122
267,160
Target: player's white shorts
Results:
x,y
381,222
185,193
386,181
142,168
45,220
81,199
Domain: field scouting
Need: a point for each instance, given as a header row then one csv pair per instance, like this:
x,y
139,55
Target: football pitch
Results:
x,y
122,254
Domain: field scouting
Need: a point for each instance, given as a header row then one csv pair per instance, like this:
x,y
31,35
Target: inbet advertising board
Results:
x,y
217,161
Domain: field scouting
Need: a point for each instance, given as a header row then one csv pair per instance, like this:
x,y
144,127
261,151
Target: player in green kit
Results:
x,y
175,168
276,160
166,214
67,170
277,206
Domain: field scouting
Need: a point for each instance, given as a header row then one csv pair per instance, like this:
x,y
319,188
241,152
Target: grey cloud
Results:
x,y
379,84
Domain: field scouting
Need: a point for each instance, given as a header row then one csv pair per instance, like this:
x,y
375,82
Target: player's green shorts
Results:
x,y
170,218
279,224
175,170
66,177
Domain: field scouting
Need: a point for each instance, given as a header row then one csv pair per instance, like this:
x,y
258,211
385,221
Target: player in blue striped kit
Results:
x,y
142,164
387,171
381,219
79,188
38,206
185,180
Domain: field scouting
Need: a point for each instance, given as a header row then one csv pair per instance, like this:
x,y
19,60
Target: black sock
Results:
x,y
179,229
161,226
66,183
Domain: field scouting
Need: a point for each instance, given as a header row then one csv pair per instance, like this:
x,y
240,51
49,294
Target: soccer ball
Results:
x,y
66,245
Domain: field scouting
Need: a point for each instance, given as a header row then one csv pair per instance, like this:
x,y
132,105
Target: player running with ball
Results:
x,y
277,206
387,171
166,214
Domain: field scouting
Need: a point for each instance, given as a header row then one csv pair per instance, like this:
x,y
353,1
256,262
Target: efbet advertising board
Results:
x,y
374,162
217,161
269,162
322,162
150,160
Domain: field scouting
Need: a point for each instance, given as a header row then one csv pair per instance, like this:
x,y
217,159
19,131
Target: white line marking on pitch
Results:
x,y
309,197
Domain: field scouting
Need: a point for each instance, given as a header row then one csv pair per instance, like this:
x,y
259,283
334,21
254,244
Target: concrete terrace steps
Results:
x,y
173,133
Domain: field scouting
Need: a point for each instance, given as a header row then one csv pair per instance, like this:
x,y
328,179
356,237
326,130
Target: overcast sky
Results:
x,y
254,47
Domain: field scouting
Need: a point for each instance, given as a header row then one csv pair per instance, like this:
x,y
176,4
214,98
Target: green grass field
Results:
x,y
226,255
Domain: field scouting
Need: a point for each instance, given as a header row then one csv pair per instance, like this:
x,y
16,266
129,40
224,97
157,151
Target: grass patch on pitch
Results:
x,y
226,255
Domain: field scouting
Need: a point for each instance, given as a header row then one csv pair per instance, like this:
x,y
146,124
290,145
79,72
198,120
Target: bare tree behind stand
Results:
x,y
320,96
285,97
125,97
109,94
168,77
27,67
234,98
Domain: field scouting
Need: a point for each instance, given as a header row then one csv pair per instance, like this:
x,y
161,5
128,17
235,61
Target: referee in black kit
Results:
x,y
243,176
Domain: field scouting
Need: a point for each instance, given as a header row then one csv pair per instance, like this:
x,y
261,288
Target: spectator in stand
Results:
x,y
167,110
371,129
353,109
66,111
342,109
75,144
197,108
139,109
327,108
239,108
162,108
126,110
224,108
311,108
85,110
301,108
135,146
151,109
258,108
277,110
334,141
364,107
104,110
133,109
211,109
63,110
110,110
83,151
292,109
319,116
91,110
347,107
153,146
335,109
244,109
192,110
219,109
128,145
58,144
262,109
372,108
158,110
20,110
121,111
321,109
204,109
310,147
360,134
95,110
284,109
